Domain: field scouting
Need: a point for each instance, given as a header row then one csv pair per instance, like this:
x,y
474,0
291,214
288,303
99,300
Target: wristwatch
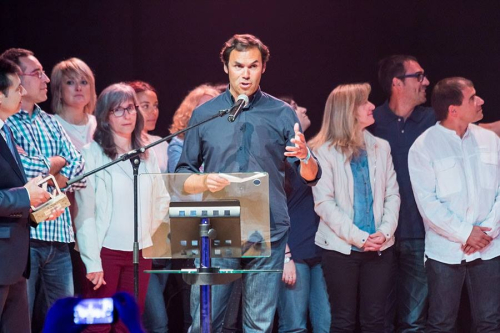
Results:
x,y
288,259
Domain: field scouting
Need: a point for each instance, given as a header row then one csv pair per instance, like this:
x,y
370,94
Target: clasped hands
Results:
x,y
478,239
374,242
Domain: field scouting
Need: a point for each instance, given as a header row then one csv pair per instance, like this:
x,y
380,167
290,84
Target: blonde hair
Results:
x,y
339,119
190,102
72,67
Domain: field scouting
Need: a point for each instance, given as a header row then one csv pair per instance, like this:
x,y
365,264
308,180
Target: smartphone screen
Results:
x,y
94,311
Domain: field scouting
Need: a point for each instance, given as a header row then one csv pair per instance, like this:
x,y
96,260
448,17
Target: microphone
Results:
x,y
240,103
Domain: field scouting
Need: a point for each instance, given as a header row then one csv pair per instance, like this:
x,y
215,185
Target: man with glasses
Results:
x,y
455,173
44,148
401,120
15,201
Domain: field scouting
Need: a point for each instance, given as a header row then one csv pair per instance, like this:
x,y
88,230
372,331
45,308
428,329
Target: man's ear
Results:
x,y
226,69
396,82
452,111
263,68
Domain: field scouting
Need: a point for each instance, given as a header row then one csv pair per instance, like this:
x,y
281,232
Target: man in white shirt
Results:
x,y
455,175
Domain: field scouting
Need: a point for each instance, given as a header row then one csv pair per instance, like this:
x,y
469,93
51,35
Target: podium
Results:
x,y
231,223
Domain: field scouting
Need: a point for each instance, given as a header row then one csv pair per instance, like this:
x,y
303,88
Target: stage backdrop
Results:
x,y
314,45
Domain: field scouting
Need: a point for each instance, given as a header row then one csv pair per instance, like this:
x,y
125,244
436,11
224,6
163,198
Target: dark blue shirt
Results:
x,y
255,142
401,134
303,219
363,197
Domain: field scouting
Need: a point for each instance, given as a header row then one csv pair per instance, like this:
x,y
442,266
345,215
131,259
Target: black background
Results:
x,y
315,45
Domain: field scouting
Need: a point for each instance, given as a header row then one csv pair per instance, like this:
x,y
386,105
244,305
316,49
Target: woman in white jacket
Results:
x,y
105,218
357,200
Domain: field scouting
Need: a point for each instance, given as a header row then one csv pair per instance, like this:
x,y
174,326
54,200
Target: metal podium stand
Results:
x,y
231,223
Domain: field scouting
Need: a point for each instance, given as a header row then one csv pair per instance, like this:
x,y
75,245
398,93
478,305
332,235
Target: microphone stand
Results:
x,y
133,156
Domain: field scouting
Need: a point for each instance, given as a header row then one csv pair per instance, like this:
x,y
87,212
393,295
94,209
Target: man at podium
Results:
x,y
260,139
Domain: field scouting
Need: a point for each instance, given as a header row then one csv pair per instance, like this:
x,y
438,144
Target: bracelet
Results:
x,y
288,252
305,160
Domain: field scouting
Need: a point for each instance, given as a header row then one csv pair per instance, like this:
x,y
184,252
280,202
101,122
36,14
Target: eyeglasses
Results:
x,y
39,74
119,111
419,76
149,108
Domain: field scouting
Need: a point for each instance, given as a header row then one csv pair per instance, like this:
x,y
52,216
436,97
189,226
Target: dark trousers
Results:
x,y
363,276
482,279
407,300
14,313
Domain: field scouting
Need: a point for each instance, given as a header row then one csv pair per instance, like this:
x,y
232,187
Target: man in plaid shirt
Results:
x,y
45,148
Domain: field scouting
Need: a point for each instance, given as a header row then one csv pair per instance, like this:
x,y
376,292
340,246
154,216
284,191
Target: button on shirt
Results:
x,y
456,185
363,197
42,137
255,142
401,134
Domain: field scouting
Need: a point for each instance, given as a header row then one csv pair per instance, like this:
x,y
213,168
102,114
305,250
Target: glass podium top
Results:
x,y
238,215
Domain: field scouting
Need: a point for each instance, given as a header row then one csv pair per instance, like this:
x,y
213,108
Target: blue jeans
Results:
x,y
51,275
409,289
481,278
260,292
155,317
308,292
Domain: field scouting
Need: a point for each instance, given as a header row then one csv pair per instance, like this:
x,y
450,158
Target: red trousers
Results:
x,y
118,271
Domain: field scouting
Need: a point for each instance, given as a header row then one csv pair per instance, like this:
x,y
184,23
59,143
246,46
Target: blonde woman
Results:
x,y
73,100
357,200
72,85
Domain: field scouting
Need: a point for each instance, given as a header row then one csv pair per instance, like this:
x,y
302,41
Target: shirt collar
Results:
x,y
24,115
387,115
451,132
254,99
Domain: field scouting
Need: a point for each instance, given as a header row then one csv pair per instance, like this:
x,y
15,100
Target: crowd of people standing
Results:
x,y
377,222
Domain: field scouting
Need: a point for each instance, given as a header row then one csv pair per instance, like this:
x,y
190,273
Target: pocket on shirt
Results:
x,y
488,170
448,175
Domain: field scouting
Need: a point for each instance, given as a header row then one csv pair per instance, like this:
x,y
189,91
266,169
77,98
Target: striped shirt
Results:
x,y
42,137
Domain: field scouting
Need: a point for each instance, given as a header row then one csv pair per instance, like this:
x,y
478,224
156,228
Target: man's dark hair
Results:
x,y
448,92
7,67
391,67
14,54
242,43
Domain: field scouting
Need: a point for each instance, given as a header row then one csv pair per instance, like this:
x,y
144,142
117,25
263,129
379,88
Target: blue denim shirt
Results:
x,y
401,134
255,142
363,197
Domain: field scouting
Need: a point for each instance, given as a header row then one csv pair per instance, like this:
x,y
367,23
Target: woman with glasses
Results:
x,y
72,85
148,105
105,218
357,200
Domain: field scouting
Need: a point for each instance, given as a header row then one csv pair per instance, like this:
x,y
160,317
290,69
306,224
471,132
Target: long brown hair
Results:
x,y
110,98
